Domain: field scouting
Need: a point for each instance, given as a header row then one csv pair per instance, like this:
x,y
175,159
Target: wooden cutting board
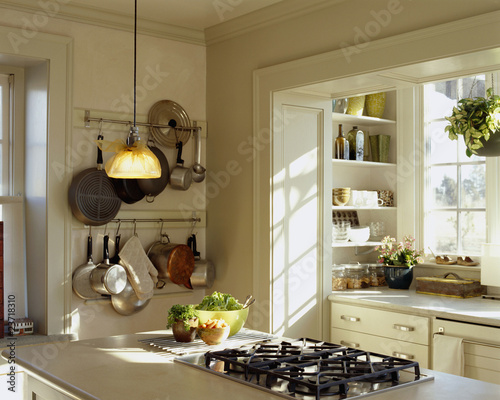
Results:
x,y
453,286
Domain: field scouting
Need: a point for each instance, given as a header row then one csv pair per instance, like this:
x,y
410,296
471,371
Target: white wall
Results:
x,y
101,74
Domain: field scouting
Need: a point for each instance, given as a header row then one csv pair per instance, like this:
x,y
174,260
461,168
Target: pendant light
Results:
x,y
135,160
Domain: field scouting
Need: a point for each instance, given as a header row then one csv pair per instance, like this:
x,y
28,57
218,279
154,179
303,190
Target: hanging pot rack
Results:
x,y
88,119
159,220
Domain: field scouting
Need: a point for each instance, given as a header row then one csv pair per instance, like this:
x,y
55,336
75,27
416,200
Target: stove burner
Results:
x,y
311,368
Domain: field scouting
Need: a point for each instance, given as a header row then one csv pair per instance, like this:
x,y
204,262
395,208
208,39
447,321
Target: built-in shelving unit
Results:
x,y
367,175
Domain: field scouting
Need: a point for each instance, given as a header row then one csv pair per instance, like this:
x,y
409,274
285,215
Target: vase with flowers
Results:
x,y
399,260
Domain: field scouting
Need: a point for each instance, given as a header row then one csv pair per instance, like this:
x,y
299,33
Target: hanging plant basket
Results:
x,y
478,121
491,148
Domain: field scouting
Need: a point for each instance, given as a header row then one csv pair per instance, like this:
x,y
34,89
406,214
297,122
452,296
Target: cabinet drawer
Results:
x,y
382,345
404,327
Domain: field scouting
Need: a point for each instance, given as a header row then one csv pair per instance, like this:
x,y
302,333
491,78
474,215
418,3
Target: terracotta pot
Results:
x,y
183,335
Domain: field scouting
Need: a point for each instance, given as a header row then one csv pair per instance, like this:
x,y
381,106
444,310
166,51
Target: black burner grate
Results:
x,y
309,367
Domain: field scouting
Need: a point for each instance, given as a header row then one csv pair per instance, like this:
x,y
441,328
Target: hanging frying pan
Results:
x,y
92,196
128,190
153,187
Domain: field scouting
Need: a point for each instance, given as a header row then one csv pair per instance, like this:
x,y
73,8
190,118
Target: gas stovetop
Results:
x,y
309,369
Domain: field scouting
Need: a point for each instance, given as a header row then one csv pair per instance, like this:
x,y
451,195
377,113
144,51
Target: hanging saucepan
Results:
x,y
174,262
203,275
81,275
153,187
108,278
92,197
181,177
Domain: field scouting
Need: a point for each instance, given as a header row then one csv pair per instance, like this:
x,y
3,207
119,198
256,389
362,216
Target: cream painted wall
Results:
x,y
230,64
102,82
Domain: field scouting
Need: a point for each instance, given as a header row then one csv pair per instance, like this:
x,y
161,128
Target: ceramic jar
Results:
x,y
356,105
375,105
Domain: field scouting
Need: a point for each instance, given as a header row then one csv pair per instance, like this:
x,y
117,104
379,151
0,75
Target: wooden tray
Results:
x,y
450,287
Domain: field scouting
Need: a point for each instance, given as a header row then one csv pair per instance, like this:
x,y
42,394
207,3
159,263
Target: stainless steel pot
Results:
x,y
181,177
126,302
108,278
203,275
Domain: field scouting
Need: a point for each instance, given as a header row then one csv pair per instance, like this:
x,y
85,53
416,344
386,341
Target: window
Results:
x,y
11,204
454,184
5,96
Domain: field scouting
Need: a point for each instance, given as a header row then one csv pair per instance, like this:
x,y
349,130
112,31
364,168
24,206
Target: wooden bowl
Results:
x,y
213,336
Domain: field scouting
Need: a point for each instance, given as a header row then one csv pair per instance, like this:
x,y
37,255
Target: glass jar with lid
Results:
x,y
357,276
377,275
339,281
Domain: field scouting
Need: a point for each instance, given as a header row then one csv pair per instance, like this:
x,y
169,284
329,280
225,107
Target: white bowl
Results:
x,y
359,233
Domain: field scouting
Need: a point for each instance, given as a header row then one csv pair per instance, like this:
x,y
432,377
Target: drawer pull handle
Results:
x,y
404,328
350,319
403,355
349,344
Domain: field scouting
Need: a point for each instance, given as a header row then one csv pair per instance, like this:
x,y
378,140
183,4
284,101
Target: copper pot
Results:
x,y
174,262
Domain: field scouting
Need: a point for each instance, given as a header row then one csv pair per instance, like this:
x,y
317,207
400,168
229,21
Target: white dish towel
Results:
x,y
448,354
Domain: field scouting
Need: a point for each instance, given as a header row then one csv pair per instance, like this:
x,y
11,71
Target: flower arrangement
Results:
x,y
399,254
476,119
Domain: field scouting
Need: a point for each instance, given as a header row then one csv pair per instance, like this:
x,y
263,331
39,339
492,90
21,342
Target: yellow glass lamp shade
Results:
x,y
134,162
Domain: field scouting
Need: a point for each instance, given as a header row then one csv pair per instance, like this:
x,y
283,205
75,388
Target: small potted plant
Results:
x,y
399,260
183,319
478,121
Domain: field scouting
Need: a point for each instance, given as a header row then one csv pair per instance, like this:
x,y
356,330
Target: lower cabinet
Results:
x,y
37,390
380,331
481,348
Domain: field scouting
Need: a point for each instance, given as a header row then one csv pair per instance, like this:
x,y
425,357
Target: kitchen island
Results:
x,y
122,367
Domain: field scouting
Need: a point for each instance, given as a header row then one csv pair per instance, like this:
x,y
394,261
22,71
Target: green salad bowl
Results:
x,y
235,318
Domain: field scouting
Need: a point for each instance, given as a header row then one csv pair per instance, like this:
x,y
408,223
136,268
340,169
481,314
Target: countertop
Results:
x,y
121,367
475,310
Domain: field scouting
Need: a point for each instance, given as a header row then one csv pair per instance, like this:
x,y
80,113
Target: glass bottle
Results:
x,y
356,139
341,146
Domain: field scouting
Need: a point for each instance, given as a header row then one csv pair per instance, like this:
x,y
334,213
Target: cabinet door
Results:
x,y
481,348
382,345
393,325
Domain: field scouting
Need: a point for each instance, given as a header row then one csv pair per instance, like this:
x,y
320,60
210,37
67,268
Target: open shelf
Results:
x,y
366,164
360,120
345,208
356,244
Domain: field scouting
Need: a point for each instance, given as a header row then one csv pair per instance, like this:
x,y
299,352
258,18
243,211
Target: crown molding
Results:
x,y
110,19
275,13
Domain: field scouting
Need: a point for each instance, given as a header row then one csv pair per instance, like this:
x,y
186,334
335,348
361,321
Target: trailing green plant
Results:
x,y
179,312
475,119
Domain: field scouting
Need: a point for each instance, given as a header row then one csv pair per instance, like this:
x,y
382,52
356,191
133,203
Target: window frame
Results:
x,y
492,171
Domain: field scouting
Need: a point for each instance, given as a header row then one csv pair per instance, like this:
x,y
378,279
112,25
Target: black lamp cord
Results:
x,y
135,57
